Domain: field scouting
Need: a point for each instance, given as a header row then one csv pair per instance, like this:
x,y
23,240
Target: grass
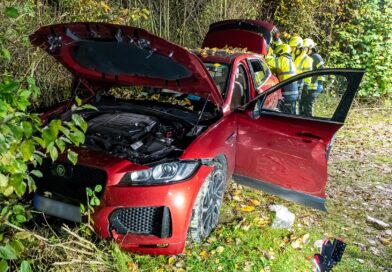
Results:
x,y
359,184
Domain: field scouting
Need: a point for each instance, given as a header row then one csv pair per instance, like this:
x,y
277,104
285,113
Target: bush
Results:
x,y
365,41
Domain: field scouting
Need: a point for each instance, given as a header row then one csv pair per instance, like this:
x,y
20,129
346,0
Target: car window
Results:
x,y
219,73
259,71
312,96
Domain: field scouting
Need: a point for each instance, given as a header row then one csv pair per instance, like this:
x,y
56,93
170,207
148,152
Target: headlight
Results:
x,y
161,174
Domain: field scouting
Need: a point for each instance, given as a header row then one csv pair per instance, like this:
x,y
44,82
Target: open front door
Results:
x,y
285,152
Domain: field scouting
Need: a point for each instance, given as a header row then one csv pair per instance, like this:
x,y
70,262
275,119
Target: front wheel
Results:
x,y
205,213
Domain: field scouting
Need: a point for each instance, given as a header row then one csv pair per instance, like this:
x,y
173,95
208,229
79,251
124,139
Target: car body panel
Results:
x,y
218,139
179,198
110,55
254,35
273,149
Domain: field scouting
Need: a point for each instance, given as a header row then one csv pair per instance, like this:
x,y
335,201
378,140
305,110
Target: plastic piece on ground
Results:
x,y
284,218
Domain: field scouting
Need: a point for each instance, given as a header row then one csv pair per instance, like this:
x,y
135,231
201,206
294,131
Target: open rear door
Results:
x,y
286,153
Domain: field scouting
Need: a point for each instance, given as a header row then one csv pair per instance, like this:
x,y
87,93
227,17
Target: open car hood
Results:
x,y
114,55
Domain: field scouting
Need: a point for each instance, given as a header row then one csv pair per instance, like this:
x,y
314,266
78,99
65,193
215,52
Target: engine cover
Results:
x,y
130,125
139,138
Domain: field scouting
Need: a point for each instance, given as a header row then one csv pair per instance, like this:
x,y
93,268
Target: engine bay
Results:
x,y
139,133
137,137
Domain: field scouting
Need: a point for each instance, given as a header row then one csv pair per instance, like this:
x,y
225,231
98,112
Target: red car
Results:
x,y
164,156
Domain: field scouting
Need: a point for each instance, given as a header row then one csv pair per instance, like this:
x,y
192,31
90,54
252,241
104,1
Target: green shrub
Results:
x,y
365,41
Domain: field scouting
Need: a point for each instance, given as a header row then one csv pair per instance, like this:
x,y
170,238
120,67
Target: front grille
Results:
x,y
145,220
66,182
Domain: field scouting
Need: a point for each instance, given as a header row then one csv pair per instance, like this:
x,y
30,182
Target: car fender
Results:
x,y
219,139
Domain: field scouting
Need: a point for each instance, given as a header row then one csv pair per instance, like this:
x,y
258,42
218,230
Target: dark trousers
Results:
x,y
306,103
289,107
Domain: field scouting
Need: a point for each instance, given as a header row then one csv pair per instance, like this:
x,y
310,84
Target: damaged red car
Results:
x,y
184,125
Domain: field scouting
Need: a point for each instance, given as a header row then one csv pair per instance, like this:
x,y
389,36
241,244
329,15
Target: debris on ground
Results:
x,y
284,218
377,222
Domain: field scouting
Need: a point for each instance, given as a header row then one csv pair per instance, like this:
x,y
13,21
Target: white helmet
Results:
x,y
309,43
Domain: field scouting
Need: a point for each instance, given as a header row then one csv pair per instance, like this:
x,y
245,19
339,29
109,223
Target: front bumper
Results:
x,y
178,198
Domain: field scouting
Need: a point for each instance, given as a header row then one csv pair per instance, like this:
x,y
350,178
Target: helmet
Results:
x,y
296,42
309,43
282,49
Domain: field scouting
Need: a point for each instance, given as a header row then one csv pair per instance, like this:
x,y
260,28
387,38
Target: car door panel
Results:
x,y
279,147
287,154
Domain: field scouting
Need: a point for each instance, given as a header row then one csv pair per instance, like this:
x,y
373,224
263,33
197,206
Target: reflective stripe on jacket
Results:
x,y
284,68
303,63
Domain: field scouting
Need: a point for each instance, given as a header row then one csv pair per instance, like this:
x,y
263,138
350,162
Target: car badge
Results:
x,y
60,170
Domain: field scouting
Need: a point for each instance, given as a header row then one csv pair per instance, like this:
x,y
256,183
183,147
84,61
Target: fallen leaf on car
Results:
x,y
255,202
237,198
237,192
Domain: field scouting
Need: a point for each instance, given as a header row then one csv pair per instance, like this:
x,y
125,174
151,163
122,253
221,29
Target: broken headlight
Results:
x,y
161,173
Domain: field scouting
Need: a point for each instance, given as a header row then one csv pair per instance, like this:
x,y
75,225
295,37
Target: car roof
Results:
x,y
226,56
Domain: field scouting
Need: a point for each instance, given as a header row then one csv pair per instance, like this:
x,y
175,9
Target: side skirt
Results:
x,y
290,195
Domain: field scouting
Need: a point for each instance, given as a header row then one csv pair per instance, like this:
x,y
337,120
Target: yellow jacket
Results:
x,y
303,63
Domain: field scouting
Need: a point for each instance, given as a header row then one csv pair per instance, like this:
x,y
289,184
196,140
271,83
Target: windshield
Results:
x,y
143,93
219,73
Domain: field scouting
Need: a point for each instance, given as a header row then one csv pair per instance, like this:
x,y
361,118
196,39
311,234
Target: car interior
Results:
x,y
240,89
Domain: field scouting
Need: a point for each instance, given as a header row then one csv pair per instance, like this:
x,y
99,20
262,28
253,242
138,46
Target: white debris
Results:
x,y
284,218
377,222
318,243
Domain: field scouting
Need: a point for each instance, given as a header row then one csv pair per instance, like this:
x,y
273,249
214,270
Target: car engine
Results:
x,y
139,138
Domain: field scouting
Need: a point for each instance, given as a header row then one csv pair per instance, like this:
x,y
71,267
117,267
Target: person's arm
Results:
x,y
320,79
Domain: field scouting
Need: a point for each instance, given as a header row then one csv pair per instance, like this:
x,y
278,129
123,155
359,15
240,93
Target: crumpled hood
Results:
x,y
116,55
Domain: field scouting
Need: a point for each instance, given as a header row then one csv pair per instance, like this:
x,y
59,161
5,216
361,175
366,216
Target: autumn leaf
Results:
x,y
247,208
105,7
238,198
132,267
220,249
171,260
255,202
237,192
204,254
306,238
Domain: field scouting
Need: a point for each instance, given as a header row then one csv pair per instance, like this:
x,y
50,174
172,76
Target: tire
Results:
x,y
206,210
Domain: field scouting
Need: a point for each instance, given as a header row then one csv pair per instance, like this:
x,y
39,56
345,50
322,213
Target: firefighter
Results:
x,y
303,63
317,82
318,62
270,57
284,68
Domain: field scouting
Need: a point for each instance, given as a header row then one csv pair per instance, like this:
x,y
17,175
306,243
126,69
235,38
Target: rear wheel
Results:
x,y
206,210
